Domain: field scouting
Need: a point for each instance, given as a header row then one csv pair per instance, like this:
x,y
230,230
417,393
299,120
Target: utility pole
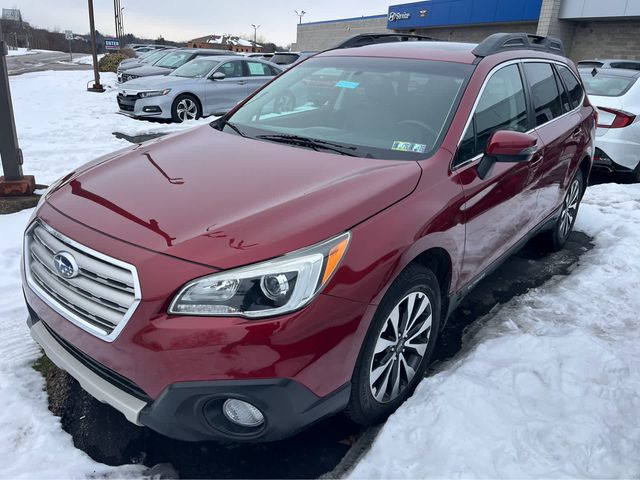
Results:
x,y
255,36
13,182
300,14
96,75
117,10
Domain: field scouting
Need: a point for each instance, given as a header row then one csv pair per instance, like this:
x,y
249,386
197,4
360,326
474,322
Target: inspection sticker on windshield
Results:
x,y
345,84
409,147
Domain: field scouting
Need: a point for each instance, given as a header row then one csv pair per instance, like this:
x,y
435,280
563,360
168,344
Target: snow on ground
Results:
x,y
548,385
87,60
61,125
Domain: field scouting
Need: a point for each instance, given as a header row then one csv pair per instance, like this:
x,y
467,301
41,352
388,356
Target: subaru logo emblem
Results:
x,y
66,265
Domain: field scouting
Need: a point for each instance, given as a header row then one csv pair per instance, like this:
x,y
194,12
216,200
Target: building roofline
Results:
x,y
368,17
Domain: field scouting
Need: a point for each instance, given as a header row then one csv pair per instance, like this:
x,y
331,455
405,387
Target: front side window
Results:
x,y
502,106
232,69
544,92
370,107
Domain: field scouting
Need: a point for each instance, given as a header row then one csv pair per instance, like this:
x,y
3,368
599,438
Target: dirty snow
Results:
x,y
548,386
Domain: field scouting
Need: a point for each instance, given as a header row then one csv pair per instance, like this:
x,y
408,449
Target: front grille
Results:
x,y
127,102
102,295
96,367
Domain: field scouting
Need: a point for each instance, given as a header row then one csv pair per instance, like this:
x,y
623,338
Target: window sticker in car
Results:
x,y
345,84
409,147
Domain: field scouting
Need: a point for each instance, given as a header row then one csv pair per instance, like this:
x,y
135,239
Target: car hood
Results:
x,y
149,70
154,83
223,200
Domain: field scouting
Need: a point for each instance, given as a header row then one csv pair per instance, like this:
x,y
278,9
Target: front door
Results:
x,y
222,95
499,208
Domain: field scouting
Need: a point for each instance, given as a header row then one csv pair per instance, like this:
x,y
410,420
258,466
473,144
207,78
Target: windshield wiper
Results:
x,y
312,143
222,122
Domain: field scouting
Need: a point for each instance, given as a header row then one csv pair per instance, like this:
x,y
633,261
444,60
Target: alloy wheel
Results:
x,y
187,109
401,346
570,208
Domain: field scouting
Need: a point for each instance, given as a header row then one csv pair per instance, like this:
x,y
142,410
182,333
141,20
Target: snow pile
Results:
x,y
549,384
32,442
62,126
86,60
21,51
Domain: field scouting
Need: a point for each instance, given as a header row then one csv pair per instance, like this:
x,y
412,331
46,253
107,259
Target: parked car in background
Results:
x,y
168,63
247,278
207,85
149,58
611,63
616,95
287,60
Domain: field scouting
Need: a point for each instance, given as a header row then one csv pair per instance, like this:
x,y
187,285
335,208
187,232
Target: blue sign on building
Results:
x,y
440,13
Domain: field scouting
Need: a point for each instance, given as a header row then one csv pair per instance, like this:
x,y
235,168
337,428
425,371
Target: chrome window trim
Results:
x,y
495,69
63,311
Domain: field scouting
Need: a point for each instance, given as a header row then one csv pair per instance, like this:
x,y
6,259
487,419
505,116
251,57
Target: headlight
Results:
x,y
155,93
265,289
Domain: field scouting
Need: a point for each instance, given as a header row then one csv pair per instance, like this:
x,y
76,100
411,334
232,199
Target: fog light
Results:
x,y
242,413
152,109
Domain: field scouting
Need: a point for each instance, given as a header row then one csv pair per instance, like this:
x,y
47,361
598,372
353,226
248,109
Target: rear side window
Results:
x,y
502,106
257,69
544,92
573,87
606,85
626,65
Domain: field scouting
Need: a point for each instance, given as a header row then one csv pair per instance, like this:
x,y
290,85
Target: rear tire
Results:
x,y
398,346
185,107
555,239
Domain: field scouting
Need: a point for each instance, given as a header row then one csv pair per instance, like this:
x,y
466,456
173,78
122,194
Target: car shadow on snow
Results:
x,y
332,445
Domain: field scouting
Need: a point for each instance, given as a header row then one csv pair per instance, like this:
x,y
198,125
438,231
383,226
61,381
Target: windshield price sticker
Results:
x,y
409,147
345,84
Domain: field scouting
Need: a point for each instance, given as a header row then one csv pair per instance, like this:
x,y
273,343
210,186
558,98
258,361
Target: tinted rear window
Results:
x,y
544,90
574,89
606,85
284,59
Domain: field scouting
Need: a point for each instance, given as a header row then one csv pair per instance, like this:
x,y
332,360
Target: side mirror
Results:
x,y
507,146
218,76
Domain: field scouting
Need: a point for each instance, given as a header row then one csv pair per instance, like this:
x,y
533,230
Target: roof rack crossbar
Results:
x,y
500,42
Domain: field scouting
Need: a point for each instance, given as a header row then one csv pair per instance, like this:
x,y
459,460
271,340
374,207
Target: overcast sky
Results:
x,y
183,20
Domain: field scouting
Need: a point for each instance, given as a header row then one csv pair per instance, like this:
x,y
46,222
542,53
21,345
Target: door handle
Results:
x,y
242,82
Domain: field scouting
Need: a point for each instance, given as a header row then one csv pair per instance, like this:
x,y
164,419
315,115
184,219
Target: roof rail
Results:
x,y
374,38
501,42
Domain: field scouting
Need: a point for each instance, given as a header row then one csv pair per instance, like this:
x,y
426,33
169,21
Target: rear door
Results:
x,y
499,208
223,95
558,123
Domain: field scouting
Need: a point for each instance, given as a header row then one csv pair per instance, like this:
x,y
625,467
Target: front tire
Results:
x,y
555,239
185,107
398,346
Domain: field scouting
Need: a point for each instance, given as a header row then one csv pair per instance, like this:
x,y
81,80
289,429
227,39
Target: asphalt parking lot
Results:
x,y
326,450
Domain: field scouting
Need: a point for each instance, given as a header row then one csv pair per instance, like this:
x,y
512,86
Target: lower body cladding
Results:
x,y
156,107
232,410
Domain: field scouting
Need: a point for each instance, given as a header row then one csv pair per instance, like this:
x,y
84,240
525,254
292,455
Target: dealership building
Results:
x,y
588,28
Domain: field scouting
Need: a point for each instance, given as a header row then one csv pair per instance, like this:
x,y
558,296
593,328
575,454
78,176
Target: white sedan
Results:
x,y
616,95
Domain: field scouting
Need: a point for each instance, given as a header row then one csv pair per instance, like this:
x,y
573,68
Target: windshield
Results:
x,y
606,85
369,107
151,58
284,58
174,59
196,68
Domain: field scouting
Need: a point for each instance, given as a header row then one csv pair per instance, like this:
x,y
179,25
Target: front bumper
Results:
x,y
156,107
192,411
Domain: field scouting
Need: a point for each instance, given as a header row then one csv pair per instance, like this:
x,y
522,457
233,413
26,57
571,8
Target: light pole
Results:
x,y
13,182
96,75
300,14
255,36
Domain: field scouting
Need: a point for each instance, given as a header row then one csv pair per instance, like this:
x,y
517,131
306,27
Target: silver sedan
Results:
x,y
202,87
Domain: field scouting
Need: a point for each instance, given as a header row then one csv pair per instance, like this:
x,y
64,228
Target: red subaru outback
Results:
x,y
300,255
